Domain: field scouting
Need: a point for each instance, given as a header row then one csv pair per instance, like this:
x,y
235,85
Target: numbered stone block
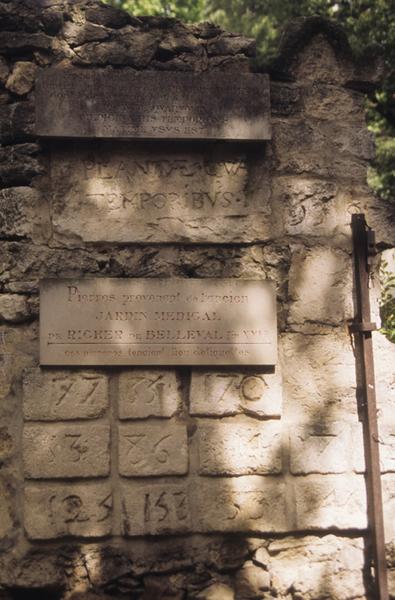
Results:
x,y
148,393
239,448
324,447
243,504
325,501
62,395
54,451
222,394
155,509
55,510
152,449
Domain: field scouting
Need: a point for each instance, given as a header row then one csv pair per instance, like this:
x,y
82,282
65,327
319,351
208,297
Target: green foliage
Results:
x,y
387,301
186,10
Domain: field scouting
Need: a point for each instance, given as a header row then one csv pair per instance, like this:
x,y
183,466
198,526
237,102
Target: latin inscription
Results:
x,y
108,104
145,321
170,195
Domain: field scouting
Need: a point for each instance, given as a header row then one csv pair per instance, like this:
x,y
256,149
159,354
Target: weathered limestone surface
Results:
x,y
215,484
65,451
152,448
228,393
53,511
62,395
239,448
148,393
215,193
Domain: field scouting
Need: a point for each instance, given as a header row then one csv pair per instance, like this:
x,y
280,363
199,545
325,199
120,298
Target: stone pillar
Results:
x,y
188,482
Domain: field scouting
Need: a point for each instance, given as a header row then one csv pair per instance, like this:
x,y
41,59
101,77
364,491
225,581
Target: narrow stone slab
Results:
x,y
157,322
127,105
178,192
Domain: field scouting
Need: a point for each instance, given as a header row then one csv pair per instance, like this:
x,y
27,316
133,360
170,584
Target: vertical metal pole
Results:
x,y
363,246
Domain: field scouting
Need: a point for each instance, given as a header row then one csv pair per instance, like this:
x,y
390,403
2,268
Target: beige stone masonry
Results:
x,y
232,447
63,395
320,286
241,504
231,393
148,393
322,447
74,450
319,377
330,501
152,448
58,510
157,509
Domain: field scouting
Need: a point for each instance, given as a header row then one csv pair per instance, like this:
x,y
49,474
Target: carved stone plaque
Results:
x,y
159,194
157,322
127,105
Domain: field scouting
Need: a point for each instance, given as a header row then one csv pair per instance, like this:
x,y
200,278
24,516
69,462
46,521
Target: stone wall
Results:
x,y
188,483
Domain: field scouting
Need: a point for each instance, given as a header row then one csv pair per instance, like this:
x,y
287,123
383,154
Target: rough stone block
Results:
x,y
240,504
321,447
13,308
239,448
155,509
251,581
152,448
52,395
55,510
319,377
23,214
327,501
317,567
223,394
18,165
148,393
21,79
54,451
310,206
320,286
333,103
321,150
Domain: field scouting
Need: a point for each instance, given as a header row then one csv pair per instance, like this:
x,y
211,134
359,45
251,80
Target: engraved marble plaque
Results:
x,y
157,322
146,193
125,104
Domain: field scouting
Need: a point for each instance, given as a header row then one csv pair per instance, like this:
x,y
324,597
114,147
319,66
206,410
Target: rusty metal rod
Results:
x,y
363,249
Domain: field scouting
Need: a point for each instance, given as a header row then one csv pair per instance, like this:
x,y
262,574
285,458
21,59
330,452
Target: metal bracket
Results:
x,y
362,327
